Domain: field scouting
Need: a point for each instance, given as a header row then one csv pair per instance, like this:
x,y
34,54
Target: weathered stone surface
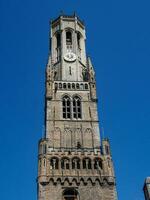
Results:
x,y
72,163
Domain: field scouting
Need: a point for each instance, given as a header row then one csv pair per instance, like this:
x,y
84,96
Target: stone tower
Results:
x,y
146,188
73,164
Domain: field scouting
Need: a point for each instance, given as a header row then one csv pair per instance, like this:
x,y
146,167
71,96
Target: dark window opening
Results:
x,y
78,39
77,85
68,38
67,165
78,145
86,86
70,72
98,164
107,149
76,107
62,164
69,86
70,194
84,164
64,85
73,86
54,163
60,85
58,40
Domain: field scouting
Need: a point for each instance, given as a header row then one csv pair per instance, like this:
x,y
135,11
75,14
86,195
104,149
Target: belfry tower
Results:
x,y
73,164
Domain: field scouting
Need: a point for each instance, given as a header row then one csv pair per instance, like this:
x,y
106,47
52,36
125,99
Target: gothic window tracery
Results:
x,y
76,107
66,104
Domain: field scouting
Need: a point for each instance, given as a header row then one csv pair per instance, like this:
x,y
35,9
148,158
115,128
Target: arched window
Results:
x,y
77,85
66,105
64,85
75,163
65,163
87,163
70,194
86,86
69,86
81,86
60,85
77,107
68,38
73,86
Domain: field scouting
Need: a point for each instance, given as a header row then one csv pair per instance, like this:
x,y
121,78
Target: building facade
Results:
x,y
146,188
73,163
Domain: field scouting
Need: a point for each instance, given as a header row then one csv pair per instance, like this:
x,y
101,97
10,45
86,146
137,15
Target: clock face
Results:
x,y
70,57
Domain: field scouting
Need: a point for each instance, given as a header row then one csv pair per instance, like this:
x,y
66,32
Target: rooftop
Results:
x,y
64,16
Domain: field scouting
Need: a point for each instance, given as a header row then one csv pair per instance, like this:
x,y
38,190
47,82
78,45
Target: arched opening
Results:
x,y
68,38
70,194
75,163
65,164
77,107
69,85
73,86
81,86
86,86
54,163
64,85
77,85
66,105
87,163
60,85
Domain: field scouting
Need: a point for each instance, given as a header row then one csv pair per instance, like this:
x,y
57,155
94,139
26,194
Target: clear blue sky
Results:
x,y
118,41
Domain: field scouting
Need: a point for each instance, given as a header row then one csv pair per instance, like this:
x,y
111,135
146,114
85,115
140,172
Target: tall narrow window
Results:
x,y
58,44
77,107
78,39
66,107
70,73
68,38
58,40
